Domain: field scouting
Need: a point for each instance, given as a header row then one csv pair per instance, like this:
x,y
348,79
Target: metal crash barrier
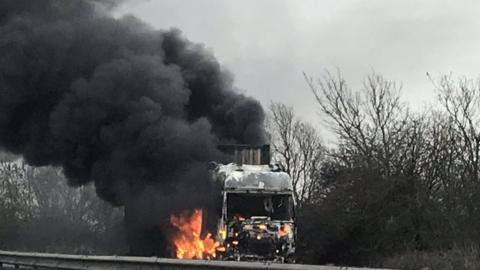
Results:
x,y
83,262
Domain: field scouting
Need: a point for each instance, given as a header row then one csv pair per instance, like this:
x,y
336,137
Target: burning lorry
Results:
x,y
257,220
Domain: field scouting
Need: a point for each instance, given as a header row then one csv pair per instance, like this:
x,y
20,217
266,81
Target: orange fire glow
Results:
x,y
188,242
284,230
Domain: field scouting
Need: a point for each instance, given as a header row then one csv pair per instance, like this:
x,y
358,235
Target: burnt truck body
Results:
x,y
257,220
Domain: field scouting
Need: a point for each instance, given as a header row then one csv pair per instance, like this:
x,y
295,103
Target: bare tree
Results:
x,y
40,211
17,201
372,120
297,147
461,101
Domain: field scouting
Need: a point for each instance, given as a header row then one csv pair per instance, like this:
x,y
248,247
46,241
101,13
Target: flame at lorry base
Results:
x,y
188,241
189,244
284,230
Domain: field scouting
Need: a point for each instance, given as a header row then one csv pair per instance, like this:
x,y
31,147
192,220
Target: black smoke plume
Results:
x,y
135,110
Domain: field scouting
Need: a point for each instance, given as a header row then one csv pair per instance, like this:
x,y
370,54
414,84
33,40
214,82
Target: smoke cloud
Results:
x,y
114,101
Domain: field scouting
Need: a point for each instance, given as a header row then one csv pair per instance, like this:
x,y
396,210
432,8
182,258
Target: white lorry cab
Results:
x,y
257,221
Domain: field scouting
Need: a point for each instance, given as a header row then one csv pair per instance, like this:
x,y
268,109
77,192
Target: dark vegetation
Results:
x,y
399,187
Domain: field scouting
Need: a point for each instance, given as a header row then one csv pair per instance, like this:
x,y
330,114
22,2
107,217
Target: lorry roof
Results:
x,y
254,177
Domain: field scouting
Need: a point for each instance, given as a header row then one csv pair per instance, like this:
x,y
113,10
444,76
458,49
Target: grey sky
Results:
x,y
267,44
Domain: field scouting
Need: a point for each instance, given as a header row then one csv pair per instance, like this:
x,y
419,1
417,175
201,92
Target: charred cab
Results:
x,y
258,219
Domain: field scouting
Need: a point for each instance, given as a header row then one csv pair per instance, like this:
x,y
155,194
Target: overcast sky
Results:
x,y
267,44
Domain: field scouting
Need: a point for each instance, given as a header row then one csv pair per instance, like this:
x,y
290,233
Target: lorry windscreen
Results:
x,y
275,206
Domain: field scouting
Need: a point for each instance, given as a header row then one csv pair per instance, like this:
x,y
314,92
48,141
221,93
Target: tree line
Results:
x,y
396,182
40,212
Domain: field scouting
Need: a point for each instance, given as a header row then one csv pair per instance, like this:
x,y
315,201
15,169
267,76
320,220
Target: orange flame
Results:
x,y
188,242
284,230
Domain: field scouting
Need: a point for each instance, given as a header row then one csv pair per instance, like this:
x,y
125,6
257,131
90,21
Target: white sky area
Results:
x,y
267,44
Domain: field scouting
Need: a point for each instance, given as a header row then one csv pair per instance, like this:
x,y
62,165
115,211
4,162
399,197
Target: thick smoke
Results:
x,y
115,102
